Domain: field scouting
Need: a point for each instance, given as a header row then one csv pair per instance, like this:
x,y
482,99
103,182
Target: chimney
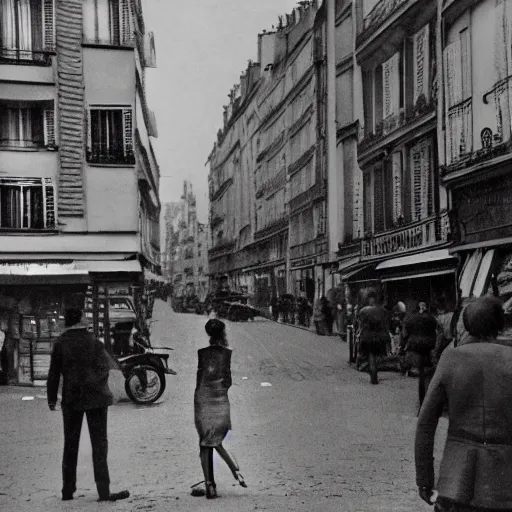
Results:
x,y
225,115
243,85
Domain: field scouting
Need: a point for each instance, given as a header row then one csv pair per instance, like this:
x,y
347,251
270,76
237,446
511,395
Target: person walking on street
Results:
x,y
475,381
328,315
318,317
419,339
374,333
84,366
212,414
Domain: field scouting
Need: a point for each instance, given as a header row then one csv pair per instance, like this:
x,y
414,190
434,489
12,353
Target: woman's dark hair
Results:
x,y
216,329
72,316
484,317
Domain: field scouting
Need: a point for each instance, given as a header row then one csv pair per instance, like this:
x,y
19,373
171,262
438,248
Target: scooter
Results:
x,y
144,370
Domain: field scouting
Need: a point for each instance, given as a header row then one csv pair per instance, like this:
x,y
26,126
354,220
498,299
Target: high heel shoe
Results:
x,y
211,491
240,478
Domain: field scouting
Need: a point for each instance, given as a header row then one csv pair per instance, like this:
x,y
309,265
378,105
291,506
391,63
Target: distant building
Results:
x,y
186,247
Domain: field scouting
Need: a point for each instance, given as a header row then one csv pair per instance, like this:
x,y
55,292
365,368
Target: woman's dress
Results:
x,y
212,413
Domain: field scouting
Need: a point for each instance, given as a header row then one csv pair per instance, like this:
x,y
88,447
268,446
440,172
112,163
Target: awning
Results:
x,y
417,259
343,264
357,268
110,266
75,272
468,274
418,276
475,276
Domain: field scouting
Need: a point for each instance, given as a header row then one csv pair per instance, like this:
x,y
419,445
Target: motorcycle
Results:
x,y
144,370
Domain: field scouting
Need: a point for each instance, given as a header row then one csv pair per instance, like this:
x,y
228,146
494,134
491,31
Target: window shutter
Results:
x,y
396,162
367,191
125,21
49,203
391,86
368,102
424,206
421,63
465,64
378,199
88,130
128,133
49,127
453,92
416,167
48,25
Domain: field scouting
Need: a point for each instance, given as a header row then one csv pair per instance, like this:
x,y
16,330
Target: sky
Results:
x,y
202,47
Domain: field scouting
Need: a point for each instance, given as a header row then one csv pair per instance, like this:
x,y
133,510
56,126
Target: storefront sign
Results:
x,y
484,210
306,262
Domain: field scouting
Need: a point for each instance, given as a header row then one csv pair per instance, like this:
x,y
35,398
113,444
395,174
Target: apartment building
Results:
x,y
188,247
405,223
268,167
475,132
79,179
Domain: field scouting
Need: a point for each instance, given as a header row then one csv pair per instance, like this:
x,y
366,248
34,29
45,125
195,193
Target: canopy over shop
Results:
x,y
33,297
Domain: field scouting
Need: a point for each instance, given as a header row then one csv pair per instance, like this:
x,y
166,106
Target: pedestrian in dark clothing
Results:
x,y
419,338
319,317
328,315
475,381
84,366
374,335
212,414
275,308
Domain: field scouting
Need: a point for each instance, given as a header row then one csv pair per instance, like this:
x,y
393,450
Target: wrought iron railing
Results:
x,y
19,56
393,123
100,153
422,234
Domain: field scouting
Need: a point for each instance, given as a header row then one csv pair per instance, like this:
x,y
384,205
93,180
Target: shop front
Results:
x,y
429,277
305,278
34,296
483,221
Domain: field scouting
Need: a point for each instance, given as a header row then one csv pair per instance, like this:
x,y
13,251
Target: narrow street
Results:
x,y
320,438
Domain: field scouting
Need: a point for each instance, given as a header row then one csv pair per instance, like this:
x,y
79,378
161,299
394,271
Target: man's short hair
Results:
x,y
72,316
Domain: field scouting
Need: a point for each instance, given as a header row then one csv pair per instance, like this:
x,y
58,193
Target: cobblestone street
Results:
x,y
320,438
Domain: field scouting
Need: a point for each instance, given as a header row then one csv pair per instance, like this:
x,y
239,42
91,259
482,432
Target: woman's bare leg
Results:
x,y
228,459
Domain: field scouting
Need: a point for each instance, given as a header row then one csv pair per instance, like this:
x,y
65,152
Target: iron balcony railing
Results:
x,y
100,153
19,56
421,234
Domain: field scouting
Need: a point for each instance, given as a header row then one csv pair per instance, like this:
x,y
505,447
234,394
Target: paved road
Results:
x,y
320,438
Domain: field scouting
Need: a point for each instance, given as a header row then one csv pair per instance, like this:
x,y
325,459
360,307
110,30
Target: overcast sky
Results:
x,y
202,46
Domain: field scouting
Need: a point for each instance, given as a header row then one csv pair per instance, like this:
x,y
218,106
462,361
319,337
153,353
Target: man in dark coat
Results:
x,y
475,381
84,366
419,338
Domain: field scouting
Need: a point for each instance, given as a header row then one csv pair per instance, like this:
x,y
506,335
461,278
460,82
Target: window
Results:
x,y
382,193
110,137
25,125
27,203
26,30
459,116
108,22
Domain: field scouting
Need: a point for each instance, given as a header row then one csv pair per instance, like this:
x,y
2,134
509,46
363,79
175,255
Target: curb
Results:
x,y
334,335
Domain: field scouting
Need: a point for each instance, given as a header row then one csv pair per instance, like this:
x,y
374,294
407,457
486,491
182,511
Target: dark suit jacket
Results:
x,y
475,380
84,366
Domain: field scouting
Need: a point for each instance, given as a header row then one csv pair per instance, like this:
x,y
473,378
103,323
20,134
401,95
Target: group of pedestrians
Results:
x,y
472,380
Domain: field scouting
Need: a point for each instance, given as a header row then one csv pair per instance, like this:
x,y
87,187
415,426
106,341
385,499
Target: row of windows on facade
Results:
x,y
27,27
25,125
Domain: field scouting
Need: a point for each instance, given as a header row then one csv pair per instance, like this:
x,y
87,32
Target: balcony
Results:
x,y
222,248
272,185
387,25
310,248
423,234
102,154
317,191
272,228
30,57
395,127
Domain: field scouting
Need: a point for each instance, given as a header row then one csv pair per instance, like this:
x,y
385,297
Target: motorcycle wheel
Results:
x,y
150,393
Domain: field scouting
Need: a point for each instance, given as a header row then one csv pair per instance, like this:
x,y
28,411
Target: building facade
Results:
x,y
79,185
188,247
475,133
268,166
405,226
